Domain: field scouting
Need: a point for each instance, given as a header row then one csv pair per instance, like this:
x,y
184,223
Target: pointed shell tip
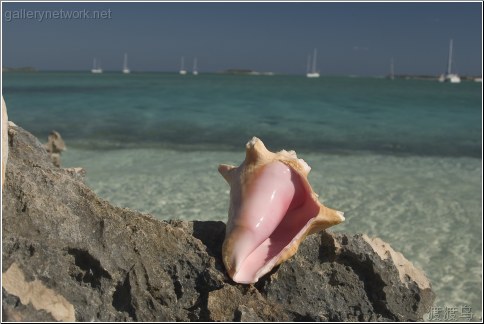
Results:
x,y
341,215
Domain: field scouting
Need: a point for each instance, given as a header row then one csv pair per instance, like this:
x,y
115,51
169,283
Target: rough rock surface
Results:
x,y
4,139
114,264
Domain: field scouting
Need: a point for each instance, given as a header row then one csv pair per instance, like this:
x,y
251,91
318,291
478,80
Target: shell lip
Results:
x,y
286,253
273,262
269,265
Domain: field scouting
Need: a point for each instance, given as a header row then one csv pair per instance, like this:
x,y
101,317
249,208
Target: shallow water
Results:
x,y
401,158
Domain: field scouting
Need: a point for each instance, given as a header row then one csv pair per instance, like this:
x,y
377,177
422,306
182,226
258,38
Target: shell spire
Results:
x,y
272,209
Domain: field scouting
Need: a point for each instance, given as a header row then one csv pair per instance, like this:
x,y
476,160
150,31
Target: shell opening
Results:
x,y
279,207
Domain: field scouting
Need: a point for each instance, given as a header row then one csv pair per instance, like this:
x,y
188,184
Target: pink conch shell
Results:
x,y
272,209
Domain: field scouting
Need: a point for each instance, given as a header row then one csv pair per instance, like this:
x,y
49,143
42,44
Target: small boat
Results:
x,y
453,78
478,80
449,76
195,66
312,73
182,68
125,64
96,69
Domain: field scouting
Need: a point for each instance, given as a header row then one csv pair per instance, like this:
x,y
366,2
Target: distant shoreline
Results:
x,y
19,69
29,69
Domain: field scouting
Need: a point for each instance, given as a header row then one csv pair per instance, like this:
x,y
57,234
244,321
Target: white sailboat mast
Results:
x,y
125,65
314,60
449,64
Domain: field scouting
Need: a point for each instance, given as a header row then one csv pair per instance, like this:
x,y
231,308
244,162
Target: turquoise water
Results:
x,y
223,111
401,158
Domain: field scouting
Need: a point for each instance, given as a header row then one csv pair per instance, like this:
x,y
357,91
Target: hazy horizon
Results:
x,y
352,38
224,72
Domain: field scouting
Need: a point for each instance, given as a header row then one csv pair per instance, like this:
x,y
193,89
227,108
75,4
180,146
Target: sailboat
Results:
x,y
450,77
95,68
313,73
195,67
182,68
125,64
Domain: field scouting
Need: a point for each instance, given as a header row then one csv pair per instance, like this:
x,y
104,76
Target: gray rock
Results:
x,y
4,139
115,264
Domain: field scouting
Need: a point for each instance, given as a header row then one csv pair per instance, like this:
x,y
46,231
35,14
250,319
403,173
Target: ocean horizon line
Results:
x,y
227,72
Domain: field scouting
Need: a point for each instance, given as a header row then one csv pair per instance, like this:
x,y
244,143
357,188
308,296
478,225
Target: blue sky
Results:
x,y
351,38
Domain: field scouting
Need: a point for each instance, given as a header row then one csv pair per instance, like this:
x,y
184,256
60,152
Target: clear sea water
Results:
x,y
401,158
